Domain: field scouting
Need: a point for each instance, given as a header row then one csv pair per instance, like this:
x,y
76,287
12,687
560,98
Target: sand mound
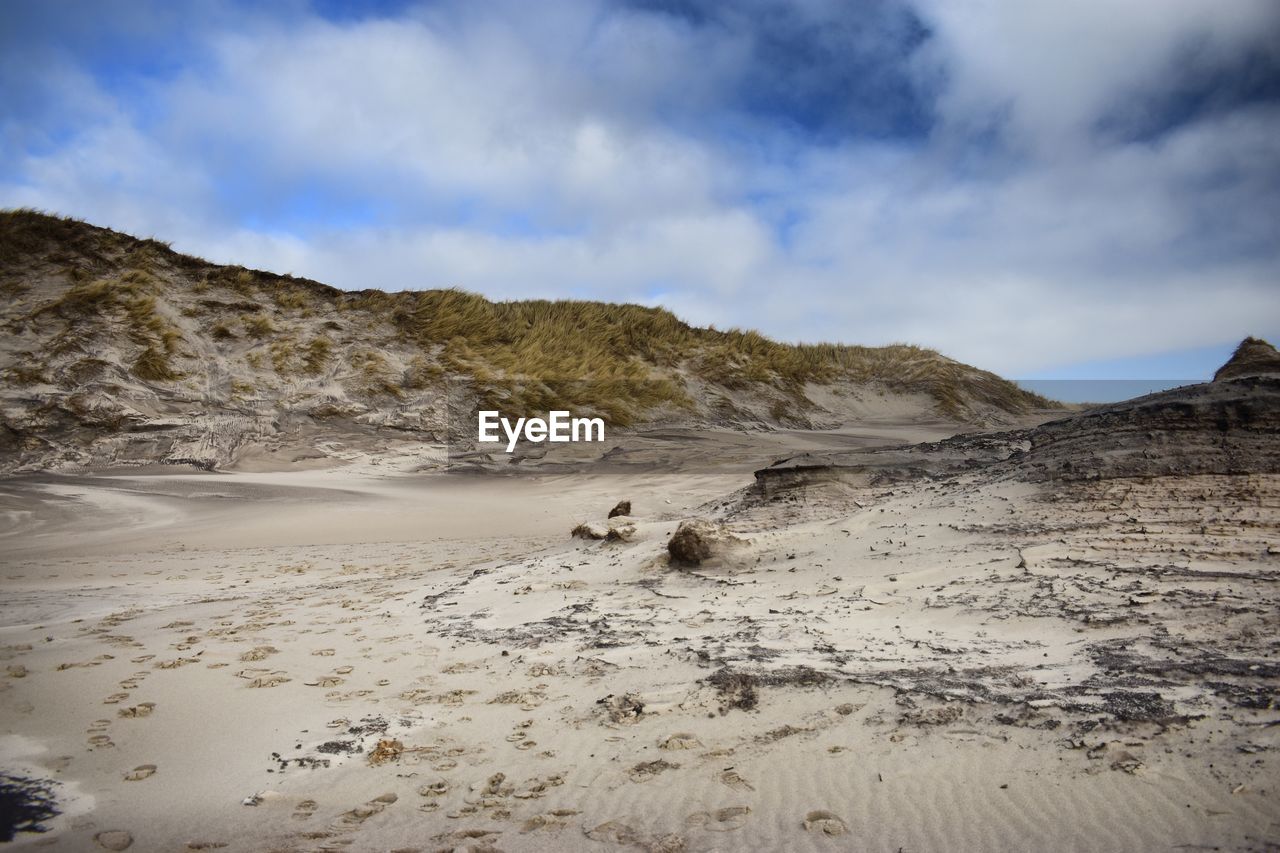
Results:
x,y
589,530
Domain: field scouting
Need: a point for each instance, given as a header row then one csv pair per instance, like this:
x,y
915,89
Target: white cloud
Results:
x,y
581,149
1051,70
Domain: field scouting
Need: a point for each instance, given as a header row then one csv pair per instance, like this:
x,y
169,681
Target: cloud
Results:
x,y
1017,185
1048,73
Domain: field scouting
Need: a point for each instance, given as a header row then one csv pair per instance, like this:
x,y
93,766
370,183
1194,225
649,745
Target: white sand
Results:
x,y
225,628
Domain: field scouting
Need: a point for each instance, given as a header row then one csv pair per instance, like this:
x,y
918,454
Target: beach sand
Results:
x,y
366,659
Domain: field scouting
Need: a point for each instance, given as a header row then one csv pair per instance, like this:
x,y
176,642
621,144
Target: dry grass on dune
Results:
x,y
623,346
131,299
1253,357
623,362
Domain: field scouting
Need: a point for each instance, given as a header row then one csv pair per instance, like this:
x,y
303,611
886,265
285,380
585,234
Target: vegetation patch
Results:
x,y
627,364
259,326
222,332
316,354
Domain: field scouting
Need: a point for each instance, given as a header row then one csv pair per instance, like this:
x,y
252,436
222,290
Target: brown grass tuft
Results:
x,y
153,366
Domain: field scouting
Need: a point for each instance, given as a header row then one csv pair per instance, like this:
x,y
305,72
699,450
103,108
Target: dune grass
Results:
x,y
621,358
222,332
259,326
132,298
621,362
316,354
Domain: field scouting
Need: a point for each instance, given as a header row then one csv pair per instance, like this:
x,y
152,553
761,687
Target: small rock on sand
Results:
x,y
621,529
697,539
589,530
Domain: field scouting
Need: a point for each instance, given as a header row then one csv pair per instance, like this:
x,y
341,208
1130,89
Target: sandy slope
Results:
x,y
429,662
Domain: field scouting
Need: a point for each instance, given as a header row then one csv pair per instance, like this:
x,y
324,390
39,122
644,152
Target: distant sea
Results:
x,y
1100,390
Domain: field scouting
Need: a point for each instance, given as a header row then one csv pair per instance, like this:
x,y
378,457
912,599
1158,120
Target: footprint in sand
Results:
x,y
360,814
528,700
305,809
459,667
731,778
646,770
142,771
175,663
721,820
434,790
613,832
537,787
482,793
825,822
114,839
458,838
680,740
556,819
542,670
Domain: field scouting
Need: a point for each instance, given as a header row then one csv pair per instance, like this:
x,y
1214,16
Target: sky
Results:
x,y
1083,190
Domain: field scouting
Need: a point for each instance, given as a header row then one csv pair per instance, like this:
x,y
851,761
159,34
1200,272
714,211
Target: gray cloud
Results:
x,y
1043,184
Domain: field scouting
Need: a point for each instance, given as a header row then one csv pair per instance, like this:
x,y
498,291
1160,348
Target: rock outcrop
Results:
x,y
1228,426
1254,357
1223,427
